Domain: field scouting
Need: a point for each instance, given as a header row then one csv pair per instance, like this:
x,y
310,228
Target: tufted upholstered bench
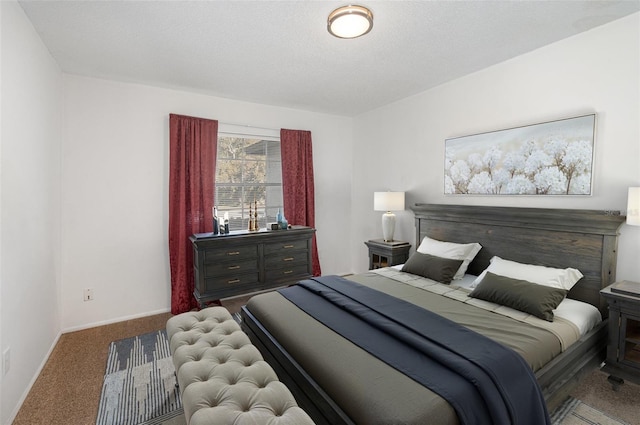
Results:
x,y
223,378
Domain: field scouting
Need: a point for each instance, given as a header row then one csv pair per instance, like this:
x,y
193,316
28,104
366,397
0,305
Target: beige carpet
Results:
x,y
67,392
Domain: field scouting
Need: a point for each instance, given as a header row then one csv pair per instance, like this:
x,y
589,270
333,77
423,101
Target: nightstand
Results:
x,y
387,254
623,346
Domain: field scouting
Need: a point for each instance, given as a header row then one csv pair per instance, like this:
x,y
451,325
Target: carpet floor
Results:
x,y
596,391
68,390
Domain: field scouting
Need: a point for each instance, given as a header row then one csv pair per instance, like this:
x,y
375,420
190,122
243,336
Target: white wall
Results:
x,y
597,71
115,191
30,204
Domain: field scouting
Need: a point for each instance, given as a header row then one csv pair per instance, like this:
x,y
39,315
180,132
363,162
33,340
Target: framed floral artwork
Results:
x,y
550,158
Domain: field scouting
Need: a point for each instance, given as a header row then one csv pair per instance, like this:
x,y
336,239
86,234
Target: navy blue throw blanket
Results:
x,y
484,381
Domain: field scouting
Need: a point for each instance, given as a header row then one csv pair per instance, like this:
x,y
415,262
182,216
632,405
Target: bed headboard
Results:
x,y
583,239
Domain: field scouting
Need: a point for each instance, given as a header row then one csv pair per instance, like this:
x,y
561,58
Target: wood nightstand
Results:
x,y
623,347
387,254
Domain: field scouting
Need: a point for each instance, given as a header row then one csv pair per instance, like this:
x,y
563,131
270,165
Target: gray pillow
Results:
x,y
538,300
432,267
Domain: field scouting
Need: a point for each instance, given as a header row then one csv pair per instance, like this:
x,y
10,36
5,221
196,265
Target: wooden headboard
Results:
x,y
583,239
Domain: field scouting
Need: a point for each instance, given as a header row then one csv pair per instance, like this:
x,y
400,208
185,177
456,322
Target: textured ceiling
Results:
x,y
280,53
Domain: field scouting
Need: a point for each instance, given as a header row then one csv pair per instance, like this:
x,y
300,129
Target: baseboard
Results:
x,y
116,320
24,395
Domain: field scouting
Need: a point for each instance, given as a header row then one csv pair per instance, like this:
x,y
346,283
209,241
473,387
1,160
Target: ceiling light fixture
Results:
x,y
350,21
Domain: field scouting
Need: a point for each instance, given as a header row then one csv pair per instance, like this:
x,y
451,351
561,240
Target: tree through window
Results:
x,y
248,172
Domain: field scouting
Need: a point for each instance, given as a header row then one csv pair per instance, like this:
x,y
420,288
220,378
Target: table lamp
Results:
x,y
388,201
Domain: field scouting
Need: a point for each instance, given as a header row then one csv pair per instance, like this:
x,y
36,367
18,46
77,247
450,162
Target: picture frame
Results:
x,y
549,158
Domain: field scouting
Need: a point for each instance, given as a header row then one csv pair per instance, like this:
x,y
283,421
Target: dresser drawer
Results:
x,y
285,246
233,267
240,281
288,273
286,259
234,253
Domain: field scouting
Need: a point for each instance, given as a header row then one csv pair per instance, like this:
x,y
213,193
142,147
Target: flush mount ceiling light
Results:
x,y
350,21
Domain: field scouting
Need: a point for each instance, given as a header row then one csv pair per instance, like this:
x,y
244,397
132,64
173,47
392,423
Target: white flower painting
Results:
x,y
552,158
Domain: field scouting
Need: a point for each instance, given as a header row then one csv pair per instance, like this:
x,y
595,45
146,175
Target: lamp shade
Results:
x,y
388,201
350,21
633,206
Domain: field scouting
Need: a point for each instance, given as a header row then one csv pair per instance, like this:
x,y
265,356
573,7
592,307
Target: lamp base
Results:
x,y
388,226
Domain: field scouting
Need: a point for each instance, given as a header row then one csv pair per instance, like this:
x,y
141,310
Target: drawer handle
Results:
x,y
233,267
288,246
233,281
233,253
288,272
288,259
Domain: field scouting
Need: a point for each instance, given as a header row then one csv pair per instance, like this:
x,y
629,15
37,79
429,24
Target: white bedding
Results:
x,y
585,316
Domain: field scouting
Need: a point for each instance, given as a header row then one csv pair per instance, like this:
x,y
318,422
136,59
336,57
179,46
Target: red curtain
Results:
x,y
297,183
192,164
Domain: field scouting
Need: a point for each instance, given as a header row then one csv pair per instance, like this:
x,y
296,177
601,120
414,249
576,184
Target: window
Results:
x,y
248,172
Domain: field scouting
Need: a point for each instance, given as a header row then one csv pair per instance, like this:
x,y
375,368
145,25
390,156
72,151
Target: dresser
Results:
x,y
242,262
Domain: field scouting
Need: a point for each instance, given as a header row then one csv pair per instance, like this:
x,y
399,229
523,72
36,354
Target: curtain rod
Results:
x,y
257,135
249,126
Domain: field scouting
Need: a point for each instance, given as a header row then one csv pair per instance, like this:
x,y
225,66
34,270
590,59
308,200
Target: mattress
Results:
x,y
365,388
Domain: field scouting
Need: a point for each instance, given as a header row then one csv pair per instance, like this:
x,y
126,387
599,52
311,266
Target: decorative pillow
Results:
x,y
532,298
432,267
454,251
548,276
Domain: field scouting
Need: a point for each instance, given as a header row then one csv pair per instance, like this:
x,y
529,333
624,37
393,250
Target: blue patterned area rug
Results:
x,y
575,412
139,383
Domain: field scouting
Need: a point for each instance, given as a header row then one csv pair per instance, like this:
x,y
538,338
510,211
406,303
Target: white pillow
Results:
x,y
453,251
548,276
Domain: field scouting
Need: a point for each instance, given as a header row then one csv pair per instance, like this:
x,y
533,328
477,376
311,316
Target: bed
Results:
x,y
337,382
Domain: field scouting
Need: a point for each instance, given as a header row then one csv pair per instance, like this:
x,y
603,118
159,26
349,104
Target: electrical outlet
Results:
x,y
6,361
88,294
